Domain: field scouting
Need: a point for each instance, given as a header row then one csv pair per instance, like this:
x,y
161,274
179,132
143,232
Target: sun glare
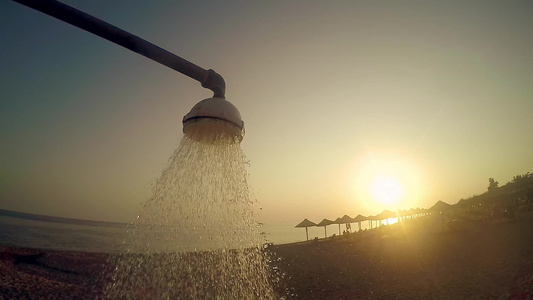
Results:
x,y
386,190
382,181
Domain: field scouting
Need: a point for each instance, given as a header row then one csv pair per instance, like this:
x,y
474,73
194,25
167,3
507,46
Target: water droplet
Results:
x,y
197,236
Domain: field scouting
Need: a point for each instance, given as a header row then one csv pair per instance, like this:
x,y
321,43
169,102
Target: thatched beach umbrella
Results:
x,y
306,223
440,207
360,219
424,212
372,219
386,215
325,223
346,220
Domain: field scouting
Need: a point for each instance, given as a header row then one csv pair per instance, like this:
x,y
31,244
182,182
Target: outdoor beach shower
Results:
x,y
212,118
207,120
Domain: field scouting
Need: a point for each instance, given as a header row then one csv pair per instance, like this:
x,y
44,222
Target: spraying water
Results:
x,y
196,238
201,201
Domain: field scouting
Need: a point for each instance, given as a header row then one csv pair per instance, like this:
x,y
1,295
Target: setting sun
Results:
x,y
386,181
386,189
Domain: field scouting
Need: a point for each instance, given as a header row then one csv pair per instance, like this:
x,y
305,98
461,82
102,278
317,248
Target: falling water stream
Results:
x,y
196,237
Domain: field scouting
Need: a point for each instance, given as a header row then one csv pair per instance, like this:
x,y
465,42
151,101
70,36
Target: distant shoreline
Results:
x,y
36,217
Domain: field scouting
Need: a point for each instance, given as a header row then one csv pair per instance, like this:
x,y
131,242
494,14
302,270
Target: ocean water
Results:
x,y
20,232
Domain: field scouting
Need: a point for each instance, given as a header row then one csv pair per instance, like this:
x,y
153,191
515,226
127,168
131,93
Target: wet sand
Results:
x,y
417,259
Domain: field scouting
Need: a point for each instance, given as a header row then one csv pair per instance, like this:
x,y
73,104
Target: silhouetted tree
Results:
x,y
493,184
524,179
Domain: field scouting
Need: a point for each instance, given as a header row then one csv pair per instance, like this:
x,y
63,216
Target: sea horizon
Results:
x,y
29,230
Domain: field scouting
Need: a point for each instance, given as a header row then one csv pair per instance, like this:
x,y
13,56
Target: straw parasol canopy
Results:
x,y
372,219
306,223
440,206
325,223
359,219
346,220
387,214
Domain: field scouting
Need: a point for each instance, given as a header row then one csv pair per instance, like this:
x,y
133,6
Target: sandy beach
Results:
x,y
420,260
416,259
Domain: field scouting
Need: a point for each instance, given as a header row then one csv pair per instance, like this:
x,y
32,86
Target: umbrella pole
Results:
x,y
306,233
339,229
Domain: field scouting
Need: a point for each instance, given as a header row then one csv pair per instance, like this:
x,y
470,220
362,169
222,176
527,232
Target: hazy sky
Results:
x,y
437,94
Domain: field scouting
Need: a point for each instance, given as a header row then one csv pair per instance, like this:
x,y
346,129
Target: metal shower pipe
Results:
x,y
208,78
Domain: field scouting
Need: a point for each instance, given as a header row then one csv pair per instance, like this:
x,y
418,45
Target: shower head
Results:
x,y
208,120
212,119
